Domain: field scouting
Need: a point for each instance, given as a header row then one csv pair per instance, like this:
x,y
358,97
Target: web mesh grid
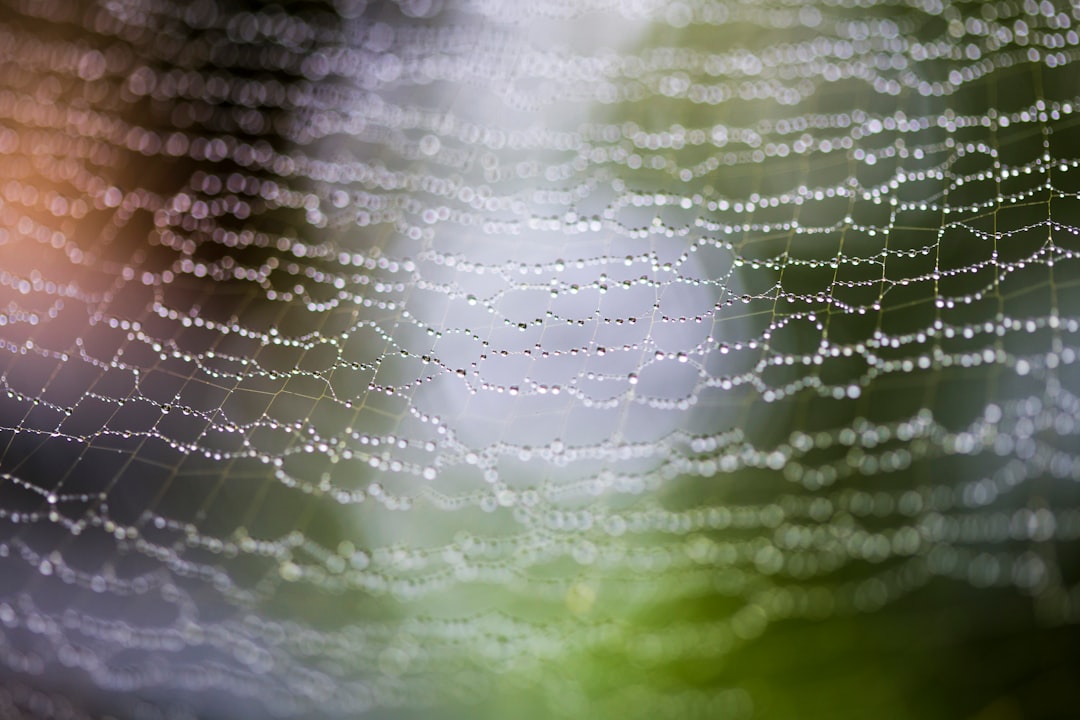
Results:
x,y
563,359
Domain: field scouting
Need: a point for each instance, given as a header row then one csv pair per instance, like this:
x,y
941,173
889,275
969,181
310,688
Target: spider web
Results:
x,y
566,359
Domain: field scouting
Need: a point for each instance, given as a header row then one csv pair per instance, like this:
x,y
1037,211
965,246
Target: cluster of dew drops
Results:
x,y
384,245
